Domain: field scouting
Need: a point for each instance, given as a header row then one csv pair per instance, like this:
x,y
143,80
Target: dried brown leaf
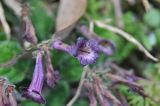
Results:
x,y
69,13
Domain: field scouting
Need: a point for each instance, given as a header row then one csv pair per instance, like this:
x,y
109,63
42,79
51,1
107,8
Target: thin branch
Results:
x,y
3,20
146,4
14,5
126,36
118,13
71,102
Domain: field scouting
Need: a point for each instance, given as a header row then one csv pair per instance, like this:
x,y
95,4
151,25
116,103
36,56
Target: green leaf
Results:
x,y
8,50
81,102
152,18
30,103
70,67
59,95
157,33
15,73
42,21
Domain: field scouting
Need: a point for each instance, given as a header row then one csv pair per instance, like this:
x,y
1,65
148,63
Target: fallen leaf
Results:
x,y
68,14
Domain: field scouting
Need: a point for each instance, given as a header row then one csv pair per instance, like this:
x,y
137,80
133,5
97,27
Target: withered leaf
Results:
x,y
68,14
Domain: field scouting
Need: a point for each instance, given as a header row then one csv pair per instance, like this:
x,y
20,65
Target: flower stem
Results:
x,y
71,102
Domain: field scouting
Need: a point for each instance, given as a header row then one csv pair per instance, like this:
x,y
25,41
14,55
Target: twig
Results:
x,y
4,22
118,13
146,4
71,102
131,2
14,5
126,36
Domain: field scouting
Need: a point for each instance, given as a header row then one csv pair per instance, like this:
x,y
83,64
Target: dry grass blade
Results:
x,y
14,5
4,22
146,4
111,97
71,102
126,36
123,81
118,13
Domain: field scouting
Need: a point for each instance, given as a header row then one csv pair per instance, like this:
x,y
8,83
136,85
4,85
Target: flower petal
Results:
x,y
106,46
35,96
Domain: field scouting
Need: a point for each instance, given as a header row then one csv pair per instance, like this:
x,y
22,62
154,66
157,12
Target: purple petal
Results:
x,y
106,47
34,95
59,45
38,75
86,51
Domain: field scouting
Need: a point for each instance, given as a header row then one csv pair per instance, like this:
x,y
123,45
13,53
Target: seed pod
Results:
x,y
3,98
52,76
11,95
27,27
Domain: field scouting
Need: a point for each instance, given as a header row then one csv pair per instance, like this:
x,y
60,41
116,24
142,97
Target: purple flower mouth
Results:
x,y
86,51
34,95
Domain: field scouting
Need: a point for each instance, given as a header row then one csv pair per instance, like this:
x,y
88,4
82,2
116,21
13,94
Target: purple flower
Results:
x,y
85,51
34,90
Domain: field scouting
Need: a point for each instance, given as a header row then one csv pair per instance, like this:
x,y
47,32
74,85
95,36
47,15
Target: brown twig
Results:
x,y
71,102
3,20
126,36
118,13
146,4
14,5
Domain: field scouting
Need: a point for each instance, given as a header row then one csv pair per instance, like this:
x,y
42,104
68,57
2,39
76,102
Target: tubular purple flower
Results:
x,y
59,45
35,88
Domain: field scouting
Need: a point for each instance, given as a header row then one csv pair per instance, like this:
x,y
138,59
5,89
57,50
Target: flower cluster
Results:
x,y
34,90
7,93
86,51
